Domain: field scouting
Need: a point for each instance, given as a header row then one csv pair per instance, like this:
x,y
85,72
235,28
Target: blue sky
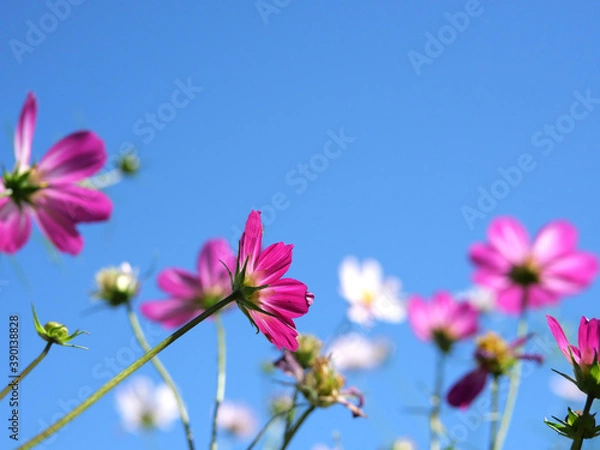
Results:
x,y
500,119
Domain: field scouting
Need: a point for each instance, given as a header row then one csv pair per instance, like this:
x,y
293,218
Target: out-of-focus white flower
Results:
x,y
144,406
117,285
566,390
371,297
236,419
482,299
403,444
356,352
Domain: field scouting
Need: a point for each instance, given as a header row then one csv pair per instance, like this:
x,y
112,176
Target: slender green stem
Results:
x,y
495,414
25,372
434,415
290,434
161,369
514,378
578,441
290,413
267,425
221,377
125,373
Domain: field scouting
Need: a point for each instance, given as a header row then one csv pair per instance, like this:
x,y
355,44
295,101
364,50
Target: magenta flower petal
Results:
x,y
58,226
588,340
554,240
418,317
24,132
82,204
510,300
78,156
560,337
251,241
539,296
171,313
15,226
179,283
273,263
463,393
578,268
509,238
286,297
215,255
279,331
488,258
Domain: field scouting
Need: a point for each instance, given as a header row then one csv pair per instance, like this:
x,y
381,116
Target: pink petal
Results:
x,y
510,300
171,313
488,258
571,273
279,331
467,388
495,281
15,226
587,340
58,225
560,337
540,296
251,241
286,298
82,204
273,263
419,318
78,156
24,132
463,321
179,283
554,240
214,256
509,238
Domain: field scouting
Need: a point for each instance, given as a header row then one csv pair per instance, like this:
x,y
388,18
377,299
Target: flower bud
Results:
x,y
322,384
574,422
117,285
128,163
309,348
55,333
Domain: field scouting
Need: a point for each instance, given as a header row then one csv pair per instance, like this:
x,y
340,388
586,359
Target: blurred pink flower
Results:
x,y
443,320
583,358
48,191
190,294
269,301
536,274
494,357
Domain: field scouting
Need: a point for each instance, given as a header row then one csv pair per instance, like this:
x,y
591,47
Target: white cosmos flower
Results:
x,y
481,298
403,444
356,352
144,406
371,297
566,390
237,419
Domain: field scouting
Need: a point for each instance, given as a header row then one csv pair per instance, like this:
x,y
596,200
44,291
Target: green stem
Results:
x,y
161,369
495,414
267,425
221,374
434,415
289,435
290,414
28,369
578,441
514,378
125,373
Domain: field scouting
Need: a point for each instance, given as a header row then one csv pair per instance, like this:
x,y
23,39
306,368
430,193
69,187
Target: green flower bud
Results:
x,y
322,384
309,348
128,163
55,332
574,423
117,285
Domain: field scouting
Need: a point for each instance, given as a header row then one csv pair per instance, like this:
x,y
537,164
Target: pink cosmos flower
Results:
x,y
270,301
48,191
190,294
443,320
494,357
531,274
583,358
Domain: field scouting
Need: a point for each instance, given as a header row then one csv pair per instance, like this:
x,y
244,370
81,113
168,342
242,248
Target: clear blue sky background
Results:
x,y
425,147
